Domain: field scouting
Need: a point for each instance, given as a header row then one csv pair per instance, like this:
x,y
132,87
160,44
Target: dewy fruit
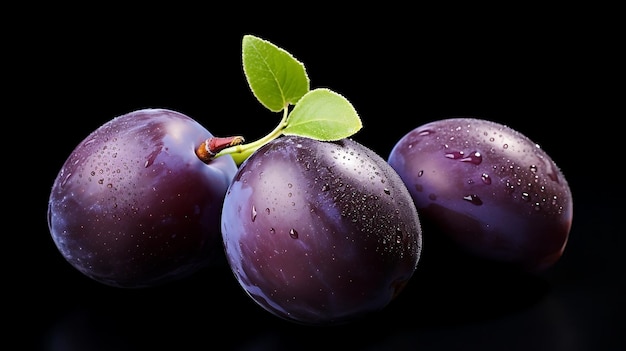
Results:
x,y
320,232
316,228
133,205
496,194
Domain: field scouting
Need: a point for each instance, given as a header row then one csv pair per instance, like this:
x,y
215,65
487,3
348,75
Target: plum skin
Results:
x,y
496,194
133,206
320,233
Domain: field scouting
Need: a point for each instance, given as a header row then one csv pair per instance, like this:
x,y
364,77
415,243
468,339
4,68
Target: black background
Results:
x,y
549,74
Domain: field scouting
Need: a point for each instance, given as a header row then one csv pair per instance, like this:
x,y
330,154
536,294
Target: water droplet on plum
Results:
x,y
455,155
474,158
485,178
473,199
399,235
293,233
425,132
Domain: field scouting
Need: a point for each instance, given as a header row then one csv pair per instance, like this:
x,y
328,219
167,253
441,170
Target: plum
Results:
x,y
134,206
488,188
320,233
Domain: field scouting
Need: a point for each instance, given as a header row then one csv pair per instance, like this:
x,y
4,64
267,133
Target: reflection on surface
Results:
x,y
432,311
449,304
81,330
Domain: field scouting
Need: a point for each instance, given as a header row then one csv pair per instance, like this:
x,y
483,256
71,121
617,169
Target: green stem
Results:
x,y
241,152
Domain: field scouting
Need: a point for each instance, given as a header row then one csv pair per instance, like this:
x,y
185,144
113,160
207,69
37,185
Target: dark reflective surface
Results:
x,y
451,303
573,306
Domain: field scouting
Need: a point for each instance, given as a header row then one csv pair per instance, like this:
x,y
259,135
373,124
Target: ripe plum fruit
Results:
x,y
320,233
133,206
493,192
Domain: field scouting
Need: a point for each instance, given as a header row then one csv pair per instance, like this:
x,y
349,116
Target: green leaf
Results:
x,y
323,115
275,77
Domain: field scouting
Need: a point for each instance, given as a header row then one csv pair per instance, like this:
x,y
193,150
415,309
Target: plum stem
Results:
x,y
240,152
207,150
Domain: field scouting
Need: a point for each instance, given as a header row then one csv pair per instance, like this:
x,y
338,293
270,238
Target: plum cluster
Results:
x,y
315,232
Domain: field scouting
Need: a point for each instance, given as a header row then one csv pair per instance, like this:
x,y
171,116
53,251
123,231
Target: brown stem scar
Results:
x,y
207,150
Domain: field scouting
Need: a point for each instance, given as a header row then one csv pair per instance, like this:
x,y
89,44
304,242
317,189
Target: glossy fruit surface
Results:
x,y
320,232
133,206
490,189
